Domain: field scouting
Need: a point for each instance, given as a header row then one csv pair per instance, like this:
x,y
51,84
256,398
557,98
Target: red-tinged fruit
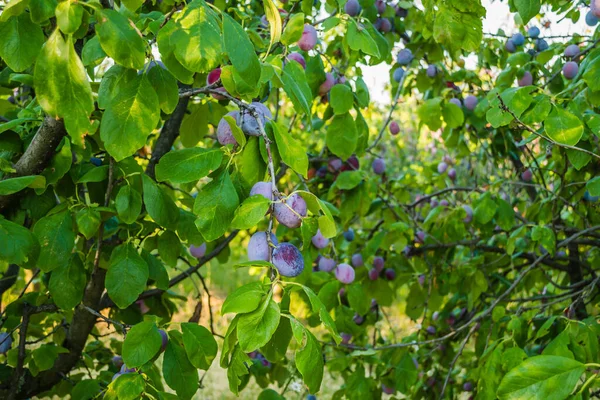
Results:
x,y
345,273
288,260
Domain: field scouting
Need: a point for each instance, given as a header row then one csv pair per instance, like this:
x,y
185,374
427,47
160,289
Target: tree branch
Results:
x,y
37,156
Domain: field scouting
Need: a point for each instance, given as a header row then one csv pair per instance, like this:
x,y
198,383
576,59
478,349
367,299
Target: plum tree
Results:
x,y
404,57
526,79
326,264
248,122
572,51
264,189
299,58
357,260
327,84
398,74
432,71
378,166
198,251
290,211
470,102
570,69
352,8
224,133
258,246
394,128
533,32
309,38
319,241
345,273
288,260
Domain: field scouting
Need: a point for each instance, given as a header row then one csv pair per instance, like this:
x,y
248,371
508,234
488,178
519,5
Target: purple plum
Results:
x,y
326,264
309,38
345,273
319,241
258,247
287,217
265,189
224,134
198,251
288,260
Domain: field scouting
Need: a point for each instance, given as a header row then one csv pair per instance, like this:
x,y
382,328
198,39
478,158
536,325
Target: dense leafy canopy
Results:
x,y
141,140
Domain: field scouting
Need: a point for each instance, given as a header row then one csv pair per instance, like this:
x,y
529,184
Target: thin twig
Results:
x,y
458,354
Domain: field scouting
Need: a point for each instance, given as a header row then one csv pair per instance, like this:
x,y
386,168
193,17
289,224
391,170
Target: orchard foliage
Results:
x,y
142,139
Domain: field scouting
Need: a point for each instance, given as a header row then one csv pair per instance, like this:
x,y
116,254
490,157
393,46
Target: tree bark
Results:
x,y
168,134
37,156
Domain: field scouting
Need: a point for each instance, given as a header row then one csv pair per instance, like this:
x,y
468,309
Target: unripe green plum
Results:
x,y
287,217
352,8
570,69
264,189
288,260
344,273
327,84
258,247
309,38
249,124
224,134
319,241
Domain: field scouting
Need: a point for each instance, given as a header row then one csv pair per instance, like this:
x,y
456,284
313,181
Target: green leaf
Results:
x,y
166,46
276,349
197,39
296,87
42,10
67,284
238,367
453,115
255,329
62,86
244,299
527,9
291,150
563,127
127,275
60,163
458,25
341,99
165,86
275,25
129,386
160,205
130,117
319,308
92,52
237,133
169,247
86,390
114,79
591,75
156,271
485,210
96,174
250,212
88,221
14,7
241,50
132,5
14,185
362,93
342,136
215,206
18,243
68,16
347,180
593,186
430,113
188,165
142,343
542,378
200,345
128,204
21,42
121,40
406,373
359,39
293,29
178,372
358,299
57,239
309,361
